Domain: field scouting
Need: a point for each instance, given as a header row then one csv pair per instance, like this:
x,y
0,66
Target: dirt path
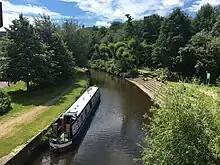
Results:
x,y
9,124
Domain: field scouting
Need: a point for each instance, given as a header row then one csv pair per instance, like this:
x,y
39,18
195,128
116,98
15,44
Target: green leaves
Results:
x,y
175,32
183,131
201,55
35,54
205,18
5,102
151,28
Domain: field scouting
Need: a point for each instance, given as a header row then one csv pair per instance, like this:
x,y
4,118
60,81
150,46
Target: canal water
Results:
x,y
115,130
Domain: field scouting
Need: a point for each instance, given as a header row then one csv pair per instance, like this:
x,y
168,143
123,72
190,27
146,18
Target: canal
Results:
x,y
115,130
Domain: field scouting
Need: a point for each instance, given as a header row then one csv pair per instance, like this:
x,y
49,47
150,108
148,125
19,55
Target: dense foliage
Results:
x,y
46,52
5,102
35,53
185,130
187,47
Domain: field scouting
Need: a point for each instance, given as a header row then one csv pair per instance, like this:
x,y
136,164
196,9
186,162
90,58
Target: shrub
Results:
x,y
5,102
162,73
173,76
184,130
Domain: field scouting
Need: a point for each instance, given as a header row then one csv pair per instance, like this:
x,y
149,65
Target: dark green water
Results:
x,y
115,130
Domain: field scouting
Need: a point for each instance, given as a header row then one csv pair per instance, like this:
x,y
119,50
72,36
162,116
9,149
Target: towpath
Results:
x,y
9,124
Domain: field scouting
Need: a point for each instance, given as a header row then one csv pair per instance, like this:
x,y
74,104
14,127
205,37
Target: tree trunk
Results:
x,y
27,83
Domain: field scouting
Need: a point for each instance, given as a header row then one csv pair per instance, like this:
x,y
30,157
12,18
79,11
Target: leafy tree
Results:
x,y
120,44
175,33
205,18
3,58
23,51
61,57
216,28
129,27
201,55
146,55
80,41
115,26
151,28
136,49
111,47
104,51
45,28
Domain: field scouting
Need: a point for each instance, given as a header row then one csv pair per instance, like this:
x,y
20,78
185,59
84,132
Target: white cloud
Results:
x,y
173,3
102,23
11,11
197,4
116,9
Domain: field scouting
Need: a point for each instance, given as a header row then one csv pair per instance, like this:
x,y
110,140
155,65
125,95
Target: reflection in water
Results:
x,y
115,129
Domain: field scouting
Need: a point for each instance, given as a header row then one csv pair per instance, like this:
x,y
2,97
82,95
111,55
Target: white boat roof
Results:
x,y
80,104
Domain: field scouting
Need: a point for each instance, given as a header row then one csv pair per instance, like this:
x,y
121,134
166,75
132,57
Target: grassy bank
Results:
x,y
25,131
24,101
209,91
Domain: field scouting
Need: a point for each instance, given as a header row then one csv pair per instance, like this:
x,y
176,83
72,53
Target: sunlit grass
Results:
x,y
27,130
24,101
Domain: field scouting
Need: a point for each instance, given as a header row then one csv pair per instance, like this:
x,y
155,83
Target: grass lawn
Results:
x,y
27,130
23,100
211,92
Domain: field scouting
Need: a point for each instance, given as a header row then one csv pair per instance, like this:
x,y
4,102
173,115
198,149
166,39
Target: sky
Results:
x,y
96,12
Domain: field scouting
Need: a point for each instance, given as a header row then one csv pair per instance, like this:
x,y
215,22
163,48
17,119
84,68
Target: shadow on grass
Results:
x,y
46,96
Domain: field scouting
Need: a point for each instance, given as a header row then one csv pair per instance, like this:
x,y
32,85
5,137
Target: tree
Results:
x,y
115,26
175,33
62,58
200,55
111,47
79,41
205,18
3,58
216,28
146,56
104,51
129,27
136,49
183,131
151,28
45,28
22,51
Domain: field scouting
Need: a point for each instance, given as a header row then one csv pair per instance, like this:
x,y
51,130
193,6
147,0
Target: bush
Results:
x,y
184,130
173,76
5,102
162,73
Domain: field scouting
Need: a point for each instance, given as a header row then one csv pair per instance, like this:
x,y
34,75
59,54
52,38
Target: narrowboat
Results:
x,y
68,127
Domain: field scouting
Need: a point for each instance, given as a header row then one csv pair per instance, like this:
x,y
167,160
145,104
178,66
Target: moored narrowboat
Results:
x,y
68,127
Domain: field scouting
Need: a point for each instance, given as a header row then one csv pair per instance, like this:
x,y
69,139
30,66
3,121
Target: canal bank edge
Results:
x,y
144,89
26,152
149,87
